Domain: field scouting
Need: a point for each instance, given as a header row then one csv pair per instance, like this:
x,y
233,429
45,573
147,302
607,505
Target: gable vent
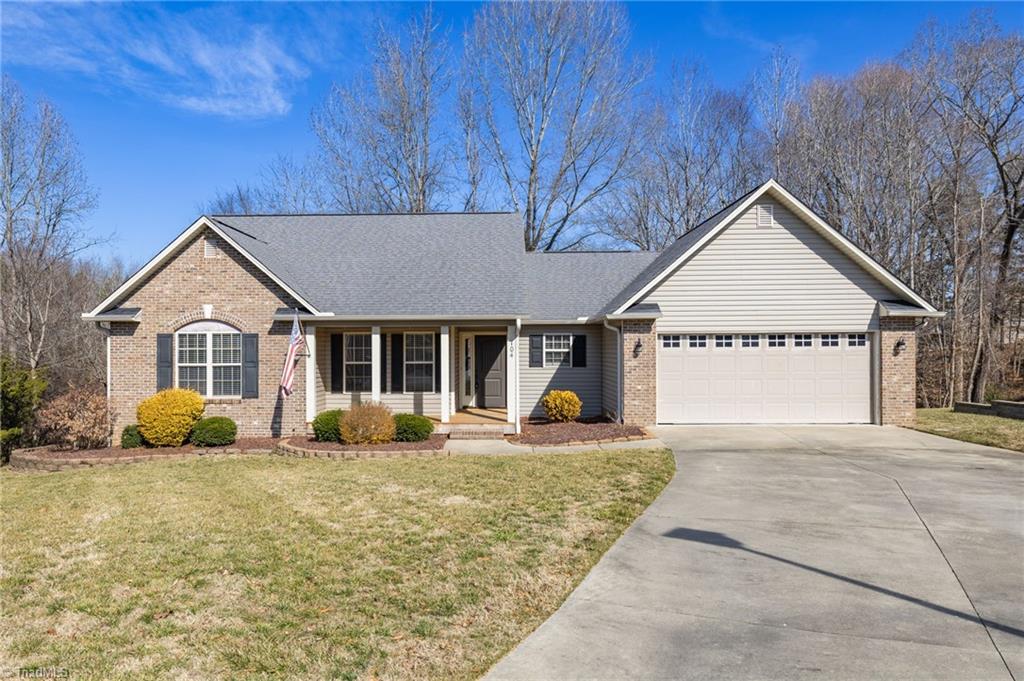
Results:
x,y
764,215
212,248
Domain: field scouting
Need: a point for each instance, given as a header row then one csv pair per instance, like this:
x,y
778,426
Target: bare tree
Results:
x,y
554,96
776,88
45,196
698,158
381,137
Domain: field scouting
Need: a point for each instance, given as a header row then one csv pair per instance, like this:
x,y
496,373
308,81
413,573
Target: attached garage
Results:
x,y
764,378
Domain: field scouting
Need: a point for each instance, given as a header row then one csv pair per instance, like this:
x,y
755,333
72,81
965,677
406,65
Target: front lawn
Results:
x,y
994,431
223,567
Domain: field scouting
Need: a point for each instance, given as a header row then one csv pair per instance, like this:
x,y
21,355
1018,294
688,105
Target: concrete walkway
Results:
x,y
805,553
484,447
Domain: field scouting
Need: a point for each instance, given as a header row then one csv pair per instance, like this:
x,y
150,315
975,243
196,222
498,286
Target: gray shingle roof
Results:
x,y
416,265
458,264
566,286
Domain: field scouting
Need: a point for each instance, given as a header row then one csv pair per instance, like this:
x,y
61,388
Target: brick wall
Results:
x,y
241,296
899,371
639,374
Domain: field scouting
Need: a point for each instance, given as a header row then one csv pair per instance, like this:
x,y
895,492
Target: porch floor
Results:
x,y
473,415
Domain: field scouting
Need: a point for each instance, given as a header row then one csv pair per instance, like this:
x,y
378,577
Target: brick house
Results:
x,y
762,313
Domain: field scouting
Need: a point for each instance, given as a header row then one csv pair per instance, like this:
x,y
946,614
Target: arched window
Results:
x,y
209,359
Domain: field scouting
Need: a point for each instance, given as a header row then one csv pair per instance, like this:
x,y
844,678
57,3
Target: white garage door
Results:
x,y
764,378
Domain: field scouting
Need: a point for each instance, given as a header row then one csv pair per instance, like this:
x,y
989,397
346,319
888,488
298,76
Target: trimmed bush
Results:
x,y
9,439
166,419
131,438
21,391
367,424
215,431
76,419
325,426
412,428
562,405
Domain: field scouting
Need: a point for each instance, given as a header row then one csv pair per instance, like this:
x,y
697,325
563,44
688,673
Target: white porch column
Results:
x,y
512,372
445,378
375,362
310,372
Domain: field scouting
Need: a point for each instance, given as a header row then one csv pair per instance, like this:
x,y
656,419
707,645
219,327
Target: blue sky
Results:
x,y
171,103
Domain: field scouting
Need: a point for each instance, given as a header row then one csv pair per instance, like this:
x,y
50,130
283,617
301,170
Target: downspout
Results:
x,y
618,370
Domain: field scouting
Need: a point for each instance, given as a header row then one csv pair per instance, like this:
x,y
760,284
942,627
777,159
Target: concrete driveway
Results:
x,y
845,552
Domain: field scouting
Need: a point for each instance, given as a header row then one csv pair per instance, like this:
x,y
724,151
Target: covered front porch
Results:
x,y
461,373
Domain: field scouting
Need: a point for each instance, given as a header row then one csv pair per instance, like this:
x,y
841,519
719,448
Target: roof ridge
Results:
x,y
302,215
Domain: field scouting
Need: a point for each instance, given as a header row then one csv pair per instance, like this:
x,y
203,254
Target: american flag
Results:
x,y
296,344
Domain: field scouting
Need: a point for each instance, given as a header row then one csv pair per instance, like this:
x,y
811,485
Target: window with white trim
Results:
x,y
419,362
801,340
856,340
830,340
723,341
557,349
358,363
750,340
671,341
209,359
776,340
698,341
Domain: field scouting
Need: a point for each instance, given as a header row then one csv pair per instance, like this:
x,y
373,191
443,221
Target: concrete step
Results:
x,y
475,431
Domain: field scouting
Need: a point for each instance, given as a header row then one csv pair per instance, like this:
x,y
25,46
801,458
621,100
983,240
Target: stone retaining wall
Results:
x,y
1004,408
287,449
37,459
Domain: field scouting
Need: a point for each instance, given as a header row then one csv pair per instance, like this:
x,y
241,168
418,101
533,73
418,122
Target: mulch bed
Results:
x,y
434,442
576,432
244,443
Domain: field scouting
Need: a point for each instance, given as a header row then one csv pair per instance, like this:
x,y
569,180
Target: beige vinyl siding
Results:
x,y
609,371
786,277
535,382
428,404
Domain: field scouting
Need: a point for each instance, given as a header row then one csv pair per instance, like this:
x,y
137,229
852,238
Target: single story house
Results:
x,y
763,313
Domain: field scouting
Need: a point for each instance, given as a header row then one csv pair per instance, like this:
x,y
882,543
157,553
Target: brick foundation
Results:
x,y
899,372
639,374
241,296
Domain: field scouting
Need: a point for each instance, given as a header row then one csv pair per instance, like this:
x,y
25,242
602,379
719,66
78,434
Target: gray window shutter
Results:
x,y
384,362
164,360
337,357
437,362
579,350
536,351
250,365
397,376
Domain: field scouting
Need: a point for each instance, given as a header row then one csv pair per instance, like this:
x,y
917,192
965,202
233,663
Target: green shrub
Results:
x,y
215,431
369,423
20,394
166,419
562,405
325,426
412,428
9,439
131,438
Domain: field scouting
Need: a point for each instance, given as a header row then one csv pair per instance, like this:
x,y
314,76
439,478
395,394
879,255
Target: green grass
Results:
x,y
994,431
228,567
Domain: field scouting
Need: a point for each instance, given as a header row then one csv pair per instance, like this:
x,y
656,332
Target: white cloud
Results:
x,y
717,25
236,61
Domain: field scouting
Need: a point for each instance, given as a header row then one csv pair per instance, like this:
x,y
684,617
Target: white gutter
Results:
x,y
618,370
327,317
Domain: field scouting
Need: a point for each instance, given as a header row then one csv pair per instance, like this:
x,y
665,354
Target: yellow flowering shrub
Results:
x,y
562,405
166,419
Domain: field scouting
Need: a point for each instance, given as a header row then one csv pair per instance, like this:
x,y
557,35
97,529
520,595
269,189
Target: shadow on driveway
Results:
x,y
725,541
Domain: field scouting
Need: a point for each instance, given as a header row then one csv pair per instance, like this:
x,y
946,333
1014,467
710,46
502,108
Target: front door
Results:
x,y
490,372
